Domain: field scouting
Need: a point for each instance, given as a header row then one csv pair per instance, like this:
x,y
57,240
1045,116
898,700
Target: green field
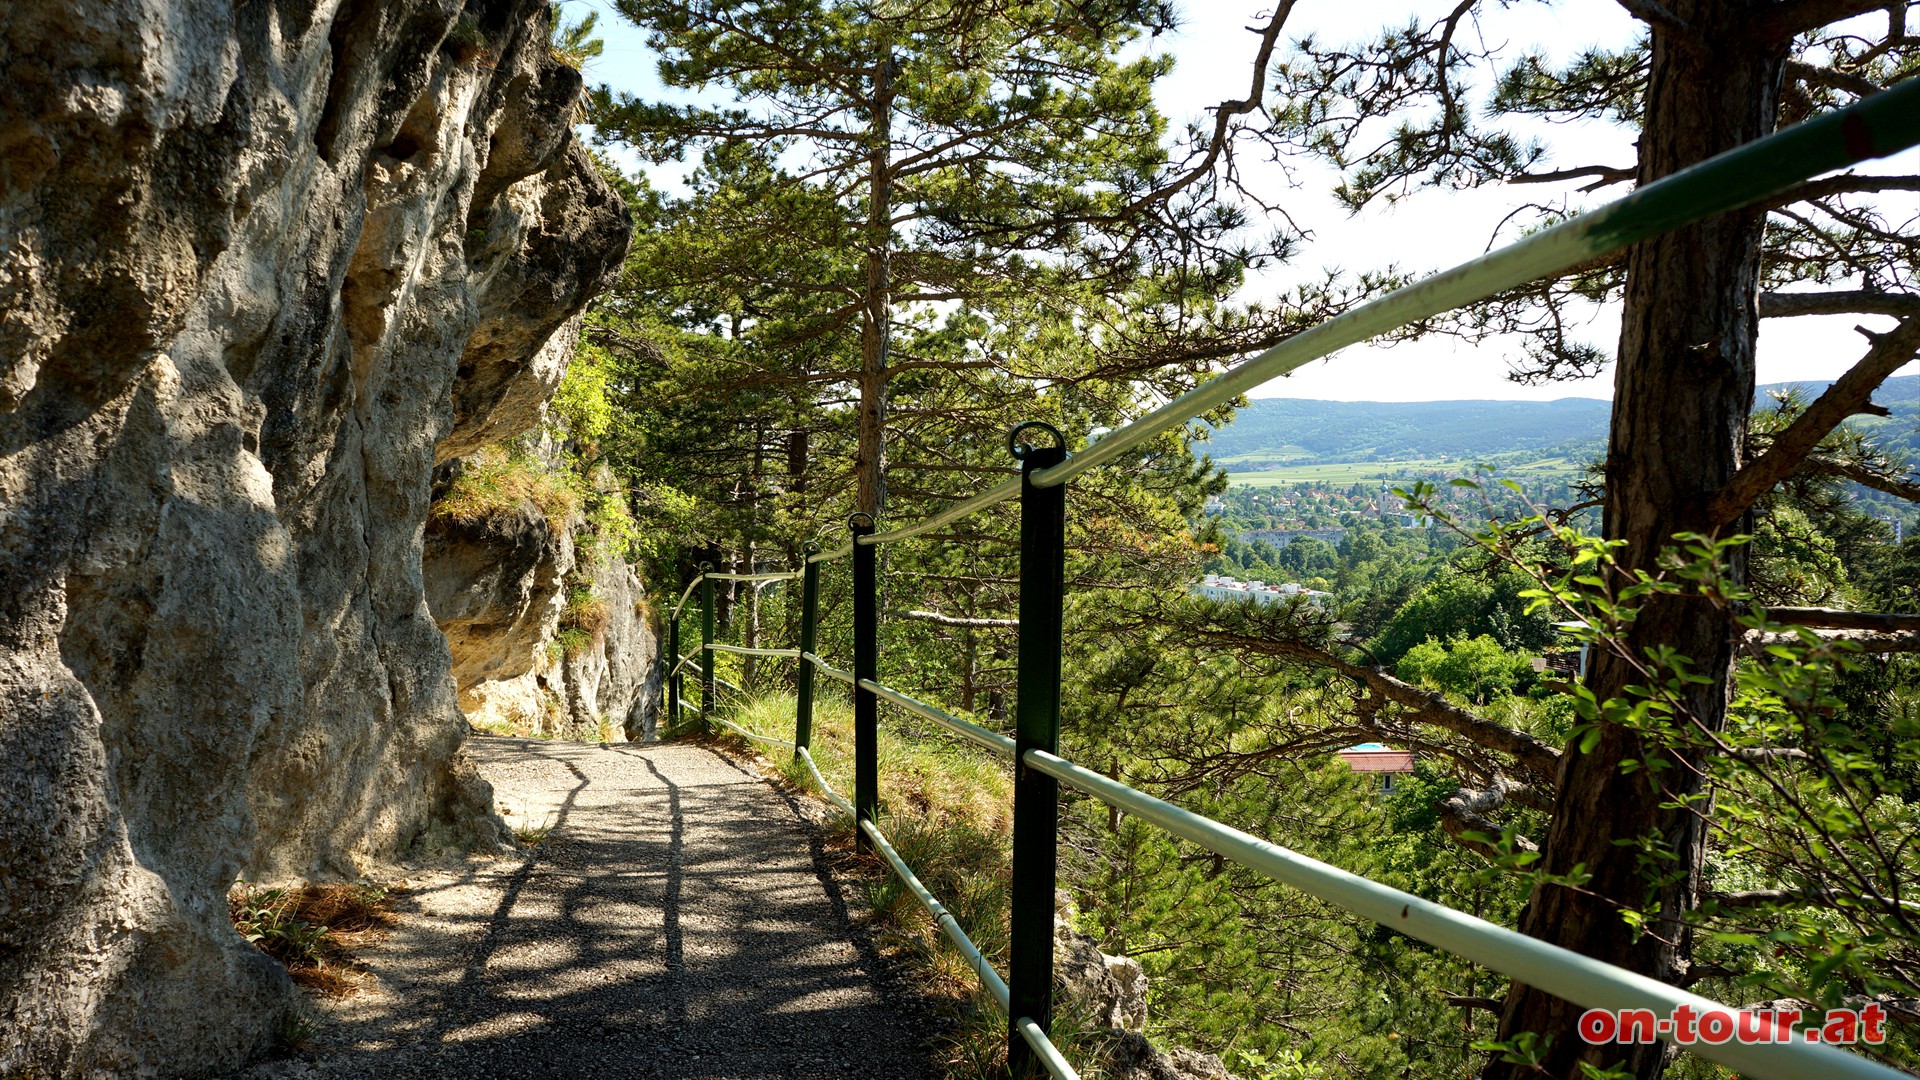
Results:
x,y
1266,454
1358,471
1344,473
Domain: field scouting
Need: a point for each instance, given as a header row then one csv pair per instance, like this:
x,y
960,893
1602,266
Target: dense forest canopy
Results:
x,y
905,227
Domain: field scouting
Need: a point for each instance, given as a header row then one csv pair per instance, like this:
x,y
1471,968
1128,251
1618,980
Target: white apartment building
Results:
x,y
1221,587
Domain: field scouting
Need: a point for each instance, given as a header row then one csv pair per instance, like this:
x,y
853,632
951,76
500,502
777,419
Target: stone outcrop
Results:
x,y
616,679
1110,992
498,588
263,263
1129,1055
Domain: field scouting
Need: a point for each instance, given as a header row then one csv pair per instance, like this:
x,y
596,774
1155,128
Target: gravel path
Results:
x,y
680,922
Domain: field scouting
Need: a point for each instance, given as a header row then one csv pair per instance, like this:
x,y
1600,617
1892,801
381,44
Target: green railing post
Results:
x,y
706,654
673,672
866,665
1036,796
803,679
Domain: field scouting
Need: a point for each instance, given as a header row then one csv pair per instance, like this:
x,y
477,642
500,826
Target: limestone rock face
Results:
x,y
618,677
1128,1055
1112,988
1112,992
498,589
262,263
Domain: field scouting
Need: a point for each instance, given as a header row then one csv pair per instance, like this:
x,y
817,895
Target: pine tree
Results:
x,y
1708,76
1006,159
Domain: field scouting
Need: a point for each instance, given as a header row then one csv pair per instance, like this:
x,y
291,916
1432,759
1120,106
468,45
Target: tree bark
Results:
x,y
1684,384
750,634
870,468
797,451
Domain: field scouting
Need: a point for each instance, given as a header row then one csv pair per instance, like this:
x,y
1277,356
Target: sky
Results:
x,y
1428,231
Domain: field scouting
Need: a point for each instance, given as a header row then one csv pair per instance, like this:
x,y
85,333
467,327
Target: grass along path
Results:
x,y
947,807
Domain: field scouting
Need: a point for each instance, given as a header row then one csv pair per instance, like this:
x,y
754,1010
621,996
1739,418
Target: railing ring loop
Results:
x,y
809,548
860,520
1019,449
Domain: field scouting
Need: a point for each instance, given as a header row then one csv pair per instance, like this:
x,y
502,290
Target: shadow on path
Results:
x,y
670,901
679,923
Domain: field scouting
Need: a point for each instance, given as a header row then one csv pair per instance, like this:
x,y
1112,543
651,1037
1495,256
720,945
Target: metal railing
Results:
x,y
1882,124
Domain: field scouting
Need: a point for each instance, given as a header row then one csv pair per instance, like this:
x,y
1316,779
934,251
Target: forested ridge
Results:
x,y
894,232
1278,430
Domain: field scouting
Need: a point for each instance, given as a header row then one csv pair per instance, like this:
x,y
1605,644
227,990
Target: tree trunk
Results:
x,y
797,462
750,634
1683,388
756,488
797,454
969,669
871,466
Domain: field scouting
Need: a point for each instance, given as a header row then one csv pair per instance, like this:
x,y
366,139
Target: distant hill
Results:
x,y
1904,390
1277,431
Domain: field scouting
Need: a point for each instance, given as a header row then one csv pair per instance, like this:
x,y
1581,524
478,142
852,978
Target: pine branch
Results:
x,y
955,620
1832,78
1865,640
1466,810
1604,174
917,466
1864,476
1448,110
1787,20
1848,184
1654,13
1843,399
1835,619
1763,755
1224,114
1538,759
1751,898
1778,305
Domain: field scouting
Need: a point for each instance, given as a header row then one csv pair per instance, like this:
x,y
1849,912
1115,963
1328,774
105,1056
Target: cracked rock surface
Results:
x,y
263,263
677,923
498,588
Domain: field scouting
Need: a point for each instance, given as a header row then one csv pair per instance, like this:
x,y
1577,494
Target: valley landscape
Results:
x,y
1275,441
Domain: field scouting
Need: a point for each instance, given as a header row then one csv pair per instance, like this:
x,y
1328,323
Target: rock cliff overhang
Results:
x,y
262,263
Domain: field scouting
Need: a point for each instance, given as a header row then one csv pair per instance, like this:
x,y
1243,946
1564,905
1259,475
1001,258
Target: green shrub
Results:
x,y
573,44
611,532
268,918
570,642
1476,669
466,40
581,405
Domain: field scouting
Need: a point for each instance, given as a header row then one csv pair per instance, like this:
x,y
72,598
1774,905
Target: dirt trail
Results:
x,y
679,923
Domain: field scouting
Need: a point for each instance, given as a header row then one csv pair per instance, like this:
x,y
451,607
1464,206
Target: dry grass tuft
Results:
x,y
533,836
493,483
586,610
315,929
